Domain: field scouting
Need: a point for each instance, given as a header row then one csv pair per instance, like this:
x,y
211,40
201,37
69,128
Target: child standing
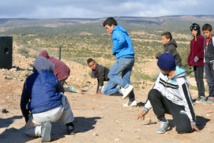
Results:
x,y
100,72
209,61
124,52
170,46
196,60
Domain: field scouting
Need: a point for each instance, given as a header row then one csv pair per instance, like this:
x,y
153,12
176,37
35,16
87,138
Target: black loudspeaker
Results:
x,y
6,52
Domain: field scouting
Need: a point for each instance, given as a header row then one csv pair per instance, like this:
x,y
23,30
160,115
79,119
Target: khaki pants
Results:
x,y
62,112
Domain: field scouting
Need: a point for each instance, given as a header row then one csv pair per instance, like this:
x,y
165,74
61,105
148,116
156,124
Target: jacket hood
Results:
x,y
42,64
44,54
172,42
120,28
179,72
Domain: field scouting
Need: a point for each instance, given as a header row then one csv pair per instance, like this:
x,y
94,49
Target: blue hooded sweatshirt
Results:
x,y
41,91
122,44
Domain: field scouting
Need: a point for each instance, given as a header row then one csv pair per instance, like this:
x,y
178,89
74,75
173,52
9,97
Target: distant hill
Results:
x,y
82,38
24,22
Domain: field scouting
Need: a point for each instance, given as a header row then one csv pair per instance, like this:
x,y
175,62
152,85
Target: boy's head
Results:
x,y
91,63
42,64
195,29
166,62
109,24
166,37
207,30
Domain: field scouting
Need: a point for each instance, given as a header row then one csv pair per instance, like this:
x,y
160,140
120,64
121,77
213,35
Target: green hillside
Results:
x,y
83,38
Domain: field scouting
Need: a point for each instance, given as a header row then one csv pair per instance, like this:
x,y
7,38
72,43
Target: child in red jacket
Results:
x,y
196,60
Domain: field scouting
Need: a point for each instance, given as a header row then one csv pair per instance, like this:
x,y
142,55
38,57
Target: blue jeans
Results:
x,y
119,74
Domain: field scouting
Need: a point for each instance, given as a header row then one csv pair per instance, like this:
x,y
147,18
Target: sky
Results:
x,y
43,9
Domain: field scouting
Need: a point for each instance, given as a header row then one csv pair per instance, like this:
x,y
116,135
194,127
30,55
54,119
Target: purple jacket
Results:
x,y
61,70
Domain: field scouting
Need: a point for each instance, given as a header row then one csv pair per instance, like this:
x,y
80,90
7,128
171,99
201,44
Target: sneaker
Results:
x,y
70,130
121,90
46,132
130,104
210,100
75,89
126,91
200,99
164,126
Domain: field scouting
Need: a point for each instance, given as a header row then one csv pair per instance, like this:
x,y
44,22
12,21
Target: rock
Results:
x,y
117,140
209,112
148,121
95,134
208,115
3,110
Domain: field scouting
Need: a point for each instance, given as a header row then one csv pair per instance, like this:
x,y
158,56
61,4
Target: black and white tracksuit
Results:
x,y
172,96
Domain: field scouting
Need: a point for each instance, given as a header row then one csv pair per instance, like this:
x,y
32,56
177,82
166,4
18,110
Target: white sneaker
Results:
x,y
46,132
121,90
126,91
130,104
164,126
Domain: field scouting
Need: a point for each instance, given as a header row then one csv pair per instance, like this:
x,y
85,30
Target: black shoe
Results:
x,y
70,130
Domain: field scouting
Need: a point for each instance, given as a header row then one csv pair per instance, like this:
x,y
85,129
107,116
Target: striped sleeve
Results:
x,y
188,103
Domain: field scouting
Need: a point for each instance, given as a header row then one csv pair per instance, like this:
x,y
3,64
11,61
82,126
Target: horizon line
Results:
x,y
106,17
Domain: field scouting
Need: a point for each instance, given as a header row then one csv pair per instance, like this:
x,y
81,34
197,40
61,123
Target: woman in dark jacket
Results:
x,y
196,59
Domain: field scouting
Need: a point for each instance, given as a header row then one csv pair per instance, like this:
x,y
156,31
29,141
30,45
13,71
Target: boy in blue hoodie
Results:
x,y
43,102
123,50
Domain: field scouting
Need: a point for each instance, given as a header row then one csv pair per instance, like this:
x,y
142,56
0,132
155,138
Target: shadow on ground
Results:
x,y
200,122
6,122
82,124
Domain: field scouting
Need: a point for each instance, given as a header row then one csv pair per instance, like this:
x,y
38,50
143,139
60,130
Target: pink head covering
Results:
x,y
44,54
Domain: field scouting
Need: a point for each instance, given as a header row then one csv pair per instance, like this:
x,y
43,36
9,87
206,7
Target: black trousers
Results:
x,y
161,105
199,72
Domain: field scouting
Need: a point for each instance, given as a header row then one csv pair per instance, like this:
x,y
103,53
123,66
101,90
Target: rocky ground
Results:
x,y
98,118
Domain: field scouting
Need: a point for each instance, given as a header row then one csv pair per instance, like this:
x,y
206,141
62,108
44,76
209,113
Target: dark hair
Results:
x,y
110,21
90,60
168,35
195,27
207,27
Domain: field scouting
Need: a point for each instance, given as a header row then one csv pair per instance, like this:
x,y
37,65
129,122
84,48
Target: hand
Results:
x,y
99,91
195,128
196,59
142,115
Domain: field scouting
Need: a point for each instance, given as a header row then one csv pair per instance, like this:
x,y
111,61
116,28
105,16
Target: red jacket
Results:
x,y
61,70
196,49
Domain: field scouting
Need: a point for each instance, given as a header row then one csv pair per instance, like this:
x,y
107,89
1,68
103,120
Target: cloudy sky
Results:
x,y
102,8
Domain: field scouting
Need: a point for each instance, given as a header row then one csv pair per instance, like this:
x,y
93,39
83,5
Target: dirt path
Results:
x,y
99,119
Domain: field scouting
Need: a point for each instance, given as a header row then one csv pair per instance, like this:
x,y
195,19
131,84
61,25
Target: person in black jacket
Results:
x,y
100,72
170,46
